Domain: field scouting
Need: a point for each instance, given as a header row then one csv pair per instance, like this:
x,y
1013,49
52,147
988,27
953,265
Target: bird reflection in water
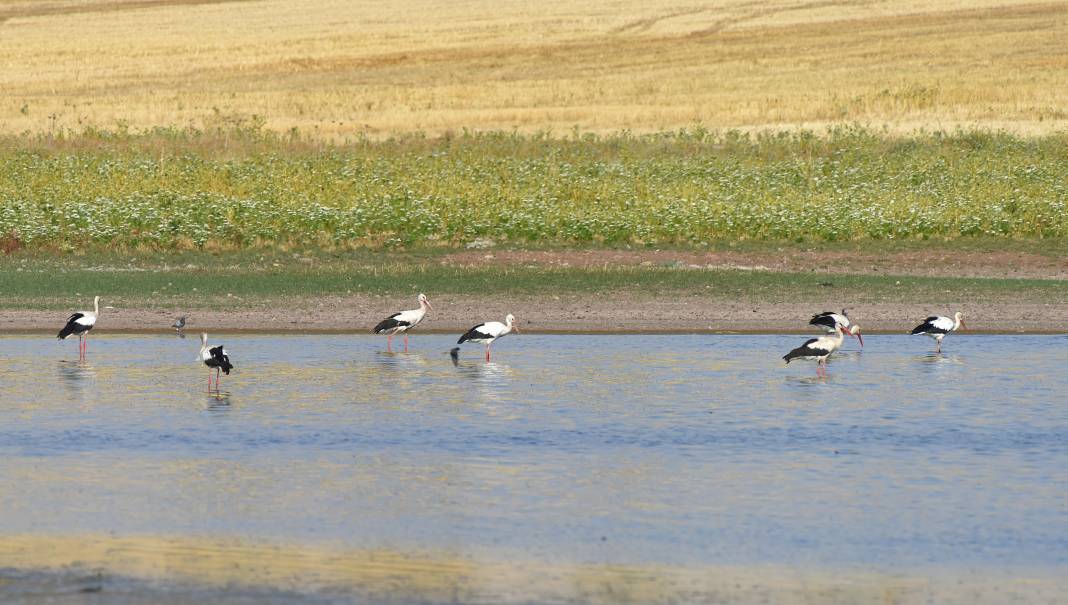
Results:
x,y
76,375
399,361
490,375
218,402
935,358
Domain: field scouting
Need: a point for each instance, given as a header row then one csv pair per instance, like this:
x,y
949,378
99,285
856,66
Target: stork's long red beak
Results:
x,y
516,328
962,324
428,305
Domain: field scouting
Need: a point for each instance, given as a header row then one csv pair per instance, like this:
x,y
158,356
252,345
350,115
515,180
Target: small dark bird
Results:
x,y
179,324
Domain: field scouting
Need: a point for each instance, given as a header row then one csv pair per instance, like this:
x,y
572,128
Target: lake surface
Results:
x,y
628,450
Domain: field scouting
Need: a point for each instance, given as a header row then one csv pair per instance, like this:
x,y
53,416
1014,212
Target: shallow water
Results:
x,y
624,449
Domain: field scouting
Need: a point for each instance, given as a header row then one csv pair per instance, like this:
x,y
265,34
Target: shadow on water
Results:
x,y
396,361
936,359
75,375
810,381
218,401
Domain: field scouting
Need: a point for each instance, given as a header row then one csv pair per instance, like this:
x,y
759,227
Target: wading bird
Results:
x,y
937,327
215,358
818,349
828,319
80,323
490,331
179,324
402,322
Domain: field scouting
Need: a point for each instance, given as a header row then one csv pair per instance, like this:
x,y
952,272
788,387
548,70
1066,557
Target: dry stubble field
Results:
x,y
334,69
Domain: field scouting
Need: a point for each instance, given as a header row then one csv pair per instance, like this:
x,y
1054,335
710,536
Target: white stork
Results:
x,y
828,319
402,322
215,358
937,327
490,331
818,349
80,323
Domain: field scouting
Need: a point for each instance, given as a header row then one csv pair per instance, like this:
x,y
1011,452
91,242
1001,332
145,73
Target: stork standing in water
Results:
x,y
402,322
829,319
215,358
80,323
937,327
819,349
490,331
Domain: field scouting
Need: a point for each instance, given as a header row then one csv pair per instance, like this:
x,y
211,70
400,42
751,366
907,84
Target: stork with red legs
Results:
x,y
80,323
216,359
819,349
490,331
402,322
937,327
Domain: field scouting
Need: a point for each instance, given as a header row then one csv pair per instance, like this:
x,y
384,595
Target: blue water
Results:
x,y
629,448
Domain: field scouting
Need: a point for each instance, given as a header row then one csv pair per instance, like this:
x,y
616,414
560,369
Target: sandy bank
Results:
x,y
568,313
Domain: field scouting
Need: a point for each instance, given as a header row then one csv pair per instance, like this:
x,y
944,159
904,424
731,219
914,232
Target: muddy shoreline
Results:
x,y
576,313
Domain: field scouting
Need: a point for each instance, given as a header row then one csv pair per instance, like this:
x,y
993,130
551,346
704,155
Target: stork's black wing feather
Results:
x,y
389,323
824,319
804,350
219,359
472,334
72,327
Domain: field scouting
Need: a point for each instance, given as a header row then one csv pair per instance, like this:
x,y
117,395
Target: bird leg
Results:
x,y
217,379
405,342
389,343
487,353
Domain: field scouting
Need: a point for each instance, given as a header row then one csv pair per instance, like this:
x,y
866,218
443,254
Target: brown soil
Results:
x,y
569,313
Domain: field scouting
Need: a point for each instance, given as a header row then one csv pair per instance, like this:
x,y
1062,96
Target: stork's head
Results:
x,y
960,319
423,300
854,331
509,321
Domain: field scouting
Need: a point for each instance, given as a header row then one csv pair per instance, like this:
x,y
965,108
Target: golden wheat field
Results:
x,y
341,68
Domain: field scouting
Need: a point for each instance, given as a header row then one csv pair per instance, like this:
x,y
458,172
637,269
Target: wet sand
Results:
x,y
179,570
575,313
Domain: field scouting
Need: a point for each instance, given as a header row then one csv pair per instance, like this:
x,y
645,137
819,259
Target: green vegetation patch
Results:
x,y
206,281
180,189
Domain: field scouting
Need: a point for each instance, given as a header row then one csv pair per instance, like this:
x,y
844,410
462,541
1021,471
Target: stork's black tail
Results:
x,y
72,327
388,324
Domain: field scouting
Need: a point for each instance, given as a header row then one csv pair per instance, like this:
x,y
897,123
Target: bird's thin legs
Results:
x,y
487,353
405,342
389,344
217,379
